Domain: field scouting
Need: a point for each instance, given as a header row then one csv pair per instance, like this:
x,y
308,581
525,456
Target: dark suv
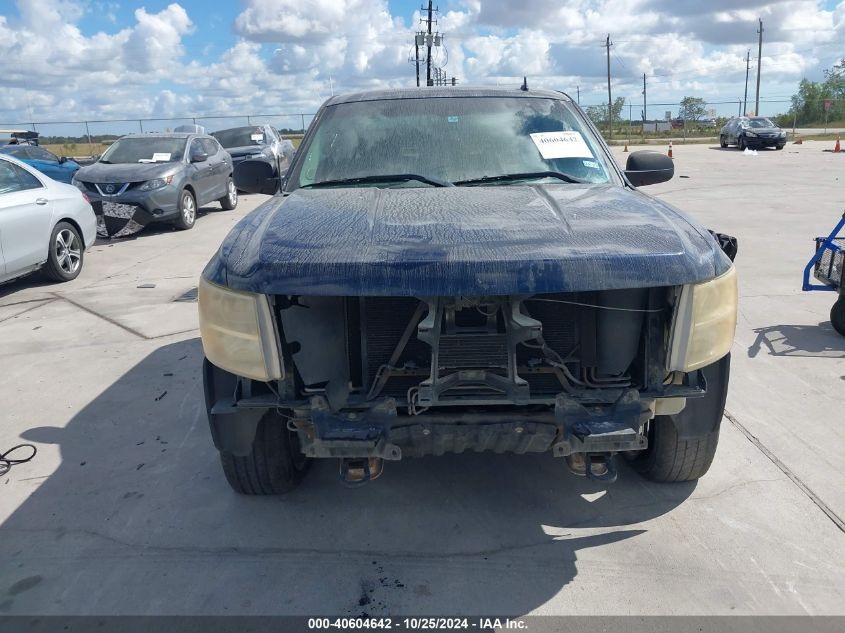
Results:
x,y
159,177
752,132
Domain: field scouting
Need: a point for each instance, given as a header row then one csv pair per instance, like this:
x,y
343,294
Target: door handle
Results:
x,y
41,201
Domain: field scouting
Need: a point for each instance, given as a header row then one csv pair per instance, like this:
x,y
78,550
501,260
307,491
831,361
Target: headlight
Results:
x,y
749,133
156,183
705,323
782,134
76,183
238,332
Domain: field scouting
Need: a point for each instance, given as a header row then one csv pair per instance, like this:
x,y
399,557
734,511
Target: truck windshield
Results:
x,y
462,140
240,136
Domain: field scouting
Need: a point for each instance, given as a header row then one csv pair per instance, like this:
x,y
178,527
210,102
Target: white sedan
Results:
x,y
43,224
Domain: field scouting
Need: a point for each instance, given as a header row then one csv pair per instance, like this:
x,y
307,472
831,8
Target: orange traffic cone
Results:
x,y
670,150
626,147
837,148
799,141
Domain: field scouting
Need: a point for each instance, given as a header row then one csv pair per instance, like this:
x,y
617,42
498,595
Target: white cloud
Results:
x,y
283,55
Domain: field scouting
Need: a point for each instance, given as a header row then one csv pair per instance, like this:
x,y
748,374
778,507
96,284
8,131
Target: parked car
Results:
x,y
44,224
57,168
457,270
160,177
257,142
753,132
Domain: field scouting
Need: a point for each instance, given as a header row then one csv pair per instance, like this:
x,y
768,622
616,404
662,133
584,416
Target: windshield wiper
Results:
x,y
383,178
532,175
107,162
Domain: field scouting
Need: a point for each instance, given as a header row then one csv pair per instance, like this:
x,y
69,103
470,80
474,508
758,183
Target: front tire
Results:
x,y
681,447
723,142
65,255
187,211
837,315
230,200
275,465
741,144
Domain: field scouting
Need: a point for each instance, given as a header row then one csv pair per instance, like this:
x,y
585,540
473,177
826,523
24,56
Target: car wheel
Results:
x,y
66,252
672,457
837,315
275,465
230,200
723,143
187,210
779,147
741,144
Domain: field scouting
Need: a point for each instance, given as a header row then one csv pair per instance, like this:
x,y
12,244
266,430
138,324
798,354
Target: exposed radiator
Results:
x,y
384,319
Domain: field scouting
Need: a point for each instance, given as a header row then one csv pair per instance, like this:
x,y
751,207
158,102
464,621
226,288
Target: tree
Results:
x,y
808,102
618,104
692,109
598,113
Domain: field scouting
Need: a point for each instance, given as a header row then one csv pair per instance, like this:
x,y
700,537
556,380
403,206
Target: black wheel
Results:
x,y
276,464
671,457
230,200
187,210
65,253
741,144
779,147
723,142
837,315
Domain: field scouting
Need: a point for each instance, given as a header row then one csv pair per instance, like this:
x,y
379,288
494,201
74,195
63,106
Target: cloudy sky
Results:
x,y
66,60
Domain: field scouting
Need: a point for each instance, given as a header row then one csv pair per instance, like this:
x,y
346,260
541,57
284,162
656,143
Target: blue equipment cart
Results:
x,y
828,266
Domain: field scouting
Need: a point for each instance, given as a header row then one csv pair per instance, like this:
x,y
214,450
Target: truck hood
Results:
x,y
464,241
126,172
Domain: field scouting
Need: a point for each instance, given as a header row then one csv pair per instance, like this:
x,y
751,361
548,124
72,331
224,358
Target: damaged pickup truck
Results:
x,y
450,270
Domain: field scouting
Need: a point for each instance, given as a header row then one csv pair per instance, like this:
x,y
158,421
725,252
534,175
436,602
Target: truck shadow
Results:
x,y
137,518
811,341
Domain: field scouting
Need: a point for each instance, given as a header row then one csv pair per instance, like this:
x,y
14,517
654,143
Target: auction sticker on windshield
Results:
x,y
561,145
161,157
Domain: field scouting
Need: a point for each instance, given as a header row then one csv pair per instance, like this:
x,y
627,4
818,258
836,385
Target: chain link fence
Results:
x,y
90,138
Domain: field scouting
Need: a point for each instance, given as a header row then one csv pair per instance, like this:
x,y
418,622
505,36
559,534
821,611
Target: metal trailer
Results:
x,y
828,266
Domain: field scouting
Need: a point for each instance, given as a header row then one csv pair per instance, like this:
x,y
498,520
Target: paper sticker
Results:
x,y
452,119
256,137
561,145
591,164
161,156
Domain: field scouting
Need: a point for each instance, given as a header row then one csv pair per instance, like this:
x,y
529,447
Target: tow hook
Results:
x,y
595,466
356,471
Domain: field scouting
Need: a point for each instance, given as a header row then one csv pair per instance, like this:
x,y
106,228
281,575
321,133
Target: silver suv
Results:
x,y
158,177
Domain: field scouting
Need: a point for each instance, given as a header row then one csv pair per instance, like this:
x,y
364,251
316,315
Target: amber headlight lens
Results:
x,y
237,332
705,323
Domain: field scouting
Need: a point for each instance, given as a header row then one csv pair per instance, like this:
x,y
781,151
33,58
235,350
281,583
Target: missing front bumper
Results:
x,y
381,432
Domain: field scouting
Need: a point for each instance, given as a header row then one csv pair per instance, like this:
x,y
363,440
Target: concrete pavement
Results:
x,y
125,510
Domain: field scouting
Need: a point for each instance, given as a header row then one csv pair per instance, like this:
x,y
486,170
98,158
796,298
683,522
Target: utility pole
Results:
x,y
759,61
417,56
609,98
644,106
428,46
578,88
747,68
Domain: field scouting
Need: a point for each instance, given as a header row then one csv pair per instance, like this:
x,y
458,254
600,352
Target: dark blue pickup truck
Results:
x,y
450,270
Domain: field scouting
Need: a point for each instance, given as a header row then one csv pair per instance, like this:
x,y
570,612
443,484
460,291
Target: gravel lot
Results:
x,y
125,509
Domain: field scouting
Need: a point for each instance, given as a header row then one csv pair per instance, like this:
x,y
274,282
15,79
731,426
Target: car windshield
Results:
x,y
14,150
240,136
461,140
153,149
760,123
